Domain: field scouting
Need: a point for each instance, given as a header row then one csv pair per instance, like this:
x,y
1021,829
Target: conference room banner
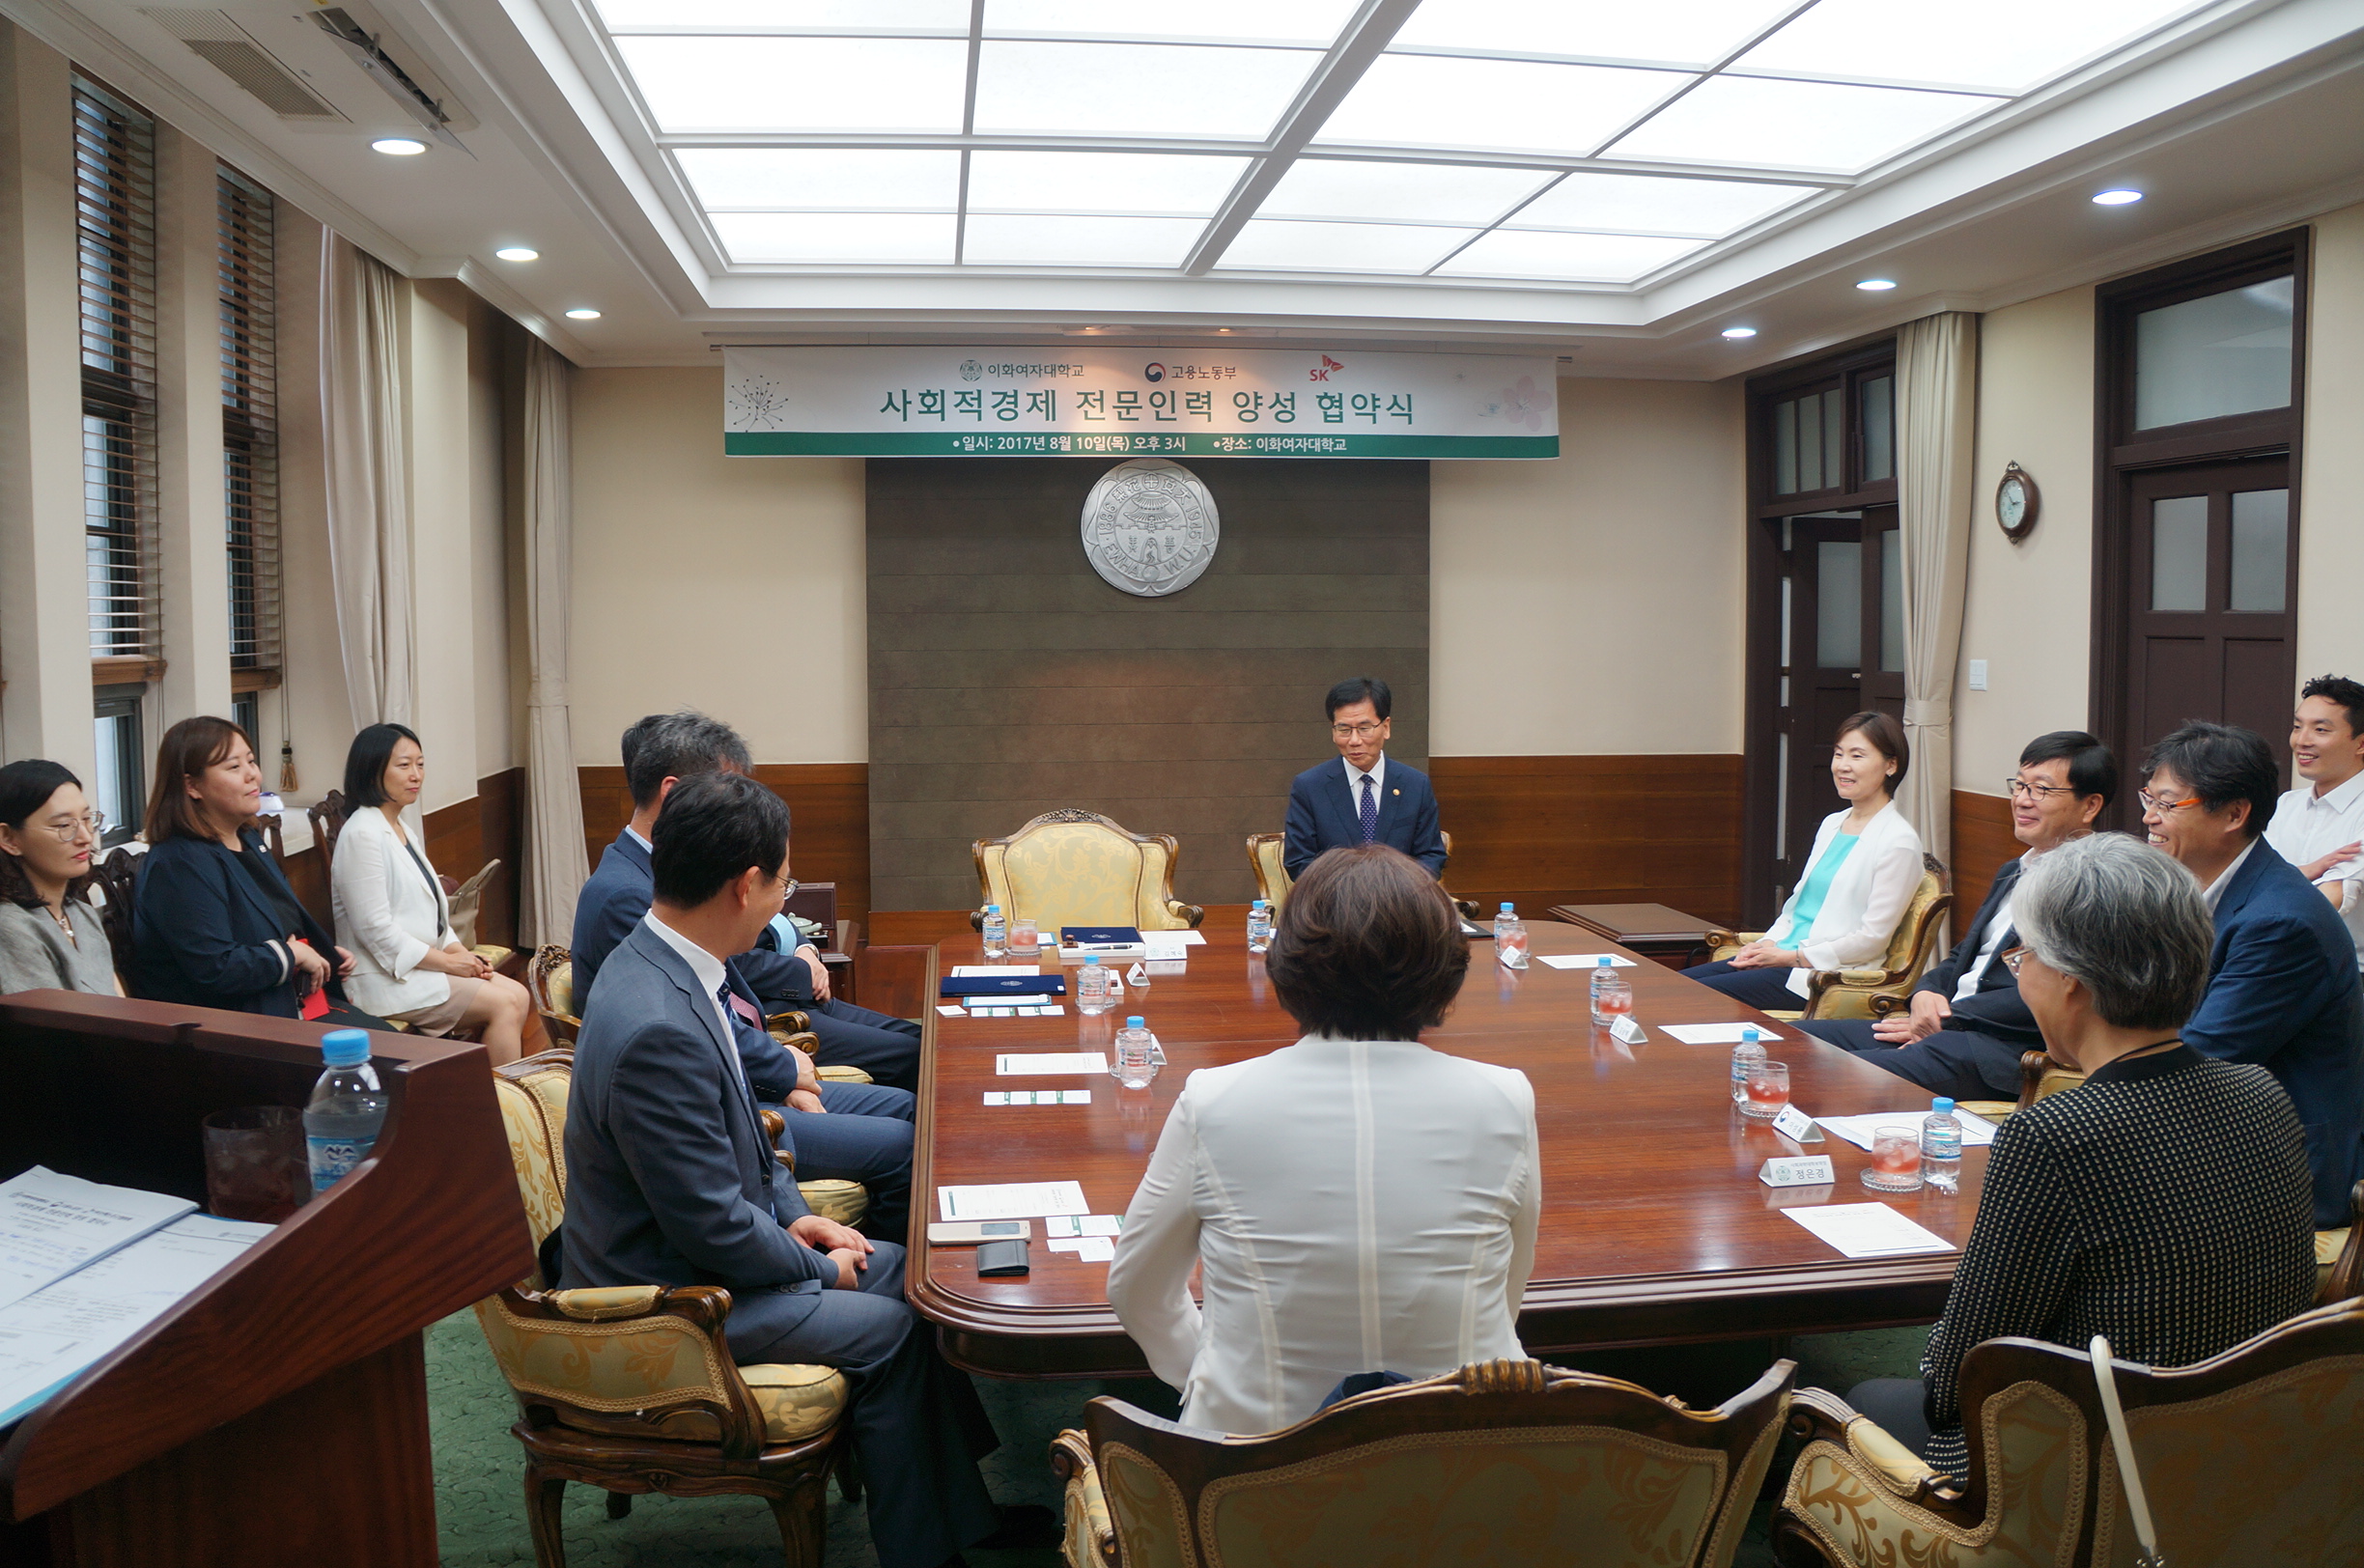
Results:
x,y
1150,402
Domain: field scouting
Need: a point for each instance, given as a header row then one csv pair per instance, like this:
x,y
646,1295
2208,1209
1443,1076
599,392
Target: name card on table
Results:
x,y
1797,1127
1804,1171
1627,1030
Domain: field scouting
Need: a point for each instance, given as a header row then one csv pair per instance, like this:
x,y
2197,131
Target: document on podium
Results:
x,y
50,1225
59,1332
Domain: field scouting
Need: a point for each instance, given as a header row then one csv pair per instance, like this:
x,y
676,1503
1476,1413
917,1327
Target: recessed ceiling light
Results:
x,y
1737,333
2117,198
582,316
401,146
517,253
1876,285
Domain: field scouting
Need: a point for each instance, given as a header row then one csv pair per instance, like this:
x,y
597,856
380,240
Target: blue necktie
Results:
x,y
1370,810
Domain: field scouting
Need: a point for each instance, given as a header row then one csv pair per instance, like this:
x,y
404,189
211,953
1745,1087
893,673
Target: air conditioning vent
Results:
x,y
222,43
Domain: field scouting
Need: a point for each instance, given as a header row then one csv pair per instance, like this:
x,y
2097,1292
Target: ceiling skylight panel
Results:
x,y
1683,32
863,238
835,178
864,14
2007,46
1178,183
1405,193
1655,203
1316,22
715,82
1272,246
1510,105
1135,88
1746,120
1570,257
1079,241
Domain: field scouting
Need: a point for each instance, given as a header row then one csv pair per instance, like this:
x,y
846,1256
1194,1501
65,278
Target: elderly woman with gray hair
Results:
x,y
2165,1201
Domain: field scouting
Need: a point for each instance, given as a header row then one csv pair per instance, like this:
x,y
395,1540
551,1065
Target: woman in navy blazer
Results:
x,y
214,923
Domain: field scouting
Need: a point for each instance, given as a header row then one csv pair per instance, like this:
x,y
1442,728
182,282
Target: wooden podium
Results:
x,y
279,1416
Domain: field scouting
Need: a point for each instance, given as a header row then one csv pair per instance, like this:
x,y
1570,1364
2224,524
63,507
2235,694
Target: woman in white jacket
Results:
x,y
1865,865
391,912
1355,1202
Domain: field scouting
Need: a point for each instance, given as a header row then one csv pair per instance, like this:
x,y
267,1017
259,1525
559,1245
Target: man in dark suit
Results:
x,y
1368,800
659,751
671,1182
2282,989
1967,1026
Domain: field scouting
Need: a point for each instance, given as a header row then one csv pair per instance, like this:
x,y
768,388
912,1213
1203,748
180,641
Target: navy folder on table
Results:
x,y
1002,985
1100,936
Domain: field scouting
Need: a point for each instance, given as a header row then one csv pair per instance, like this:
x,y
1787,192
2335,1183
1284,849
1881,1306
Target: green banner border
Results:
x,y
1192,444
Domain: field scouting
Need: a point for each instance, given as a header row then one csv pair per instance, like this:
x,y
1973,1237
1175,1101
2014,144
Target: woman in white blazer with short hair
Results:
x,y
391,912
1355,1202
1864,866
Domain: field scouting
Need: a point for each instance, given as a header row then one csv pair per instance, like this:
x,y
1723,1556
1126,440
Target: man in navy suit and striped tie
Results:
x,y
1369,800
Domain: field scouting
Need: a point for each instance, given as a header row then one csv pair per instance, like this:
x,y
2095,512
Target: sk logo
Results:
x,y
1328,365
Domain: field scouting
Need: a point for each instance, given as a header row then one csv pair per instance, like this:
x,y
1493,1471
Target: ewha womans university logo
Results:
x,y
1149,528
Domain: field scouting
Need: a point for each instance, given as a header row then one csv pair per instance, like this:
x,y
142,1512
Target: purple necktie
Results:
x,y
1370,810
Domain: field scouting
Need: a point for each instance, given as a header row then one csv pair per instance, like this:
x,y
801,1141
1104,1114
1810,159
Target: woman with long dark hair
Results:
x,y
50,934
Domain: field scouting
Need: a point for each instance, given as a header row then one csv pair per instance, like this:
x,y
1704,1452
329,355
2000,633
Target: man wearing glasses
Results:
x,y
2282,979
1369,800
1967,1025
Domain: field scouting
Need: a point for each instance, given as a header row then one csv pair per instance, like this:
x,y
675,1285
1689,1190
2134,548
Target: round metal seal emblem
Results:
x,y
1149,528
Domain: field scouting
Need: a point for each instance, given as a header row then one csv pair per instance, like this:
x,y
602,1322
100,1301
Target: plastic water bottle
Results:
x,y
1092,986
1260,926
347,1106
1510,937
1941,1147
1604,971
996,932
1136,1055
1745,1056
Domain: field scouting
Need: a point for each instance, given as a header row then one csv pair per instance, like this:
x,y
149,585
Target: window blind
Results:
x,y
115,210
250,423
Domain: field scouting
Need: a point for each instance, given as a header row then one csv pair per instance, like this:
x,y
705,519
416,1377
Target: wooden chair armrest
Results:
x,y
1863,977
790,1019
1192,912
2346,1280
1091,1538
1882,1006
977,918
1818,1415
1717,936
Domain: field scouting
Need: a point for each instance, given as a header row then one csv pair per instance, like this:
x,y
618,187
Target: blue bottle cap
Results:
x,y
1506,909
1092,960
1134,1022
1941,1104
1255,903
993,908
1603,962
345,1048
1747,1034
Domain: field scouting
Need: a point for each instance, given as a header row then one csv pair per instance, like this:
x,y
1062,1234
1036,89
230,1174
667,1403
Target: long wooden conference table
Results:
x,y
1656,1229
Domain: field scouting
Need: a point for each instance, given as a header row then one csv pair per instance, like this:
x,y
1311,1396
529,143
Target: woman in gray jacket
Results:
x,y
49,934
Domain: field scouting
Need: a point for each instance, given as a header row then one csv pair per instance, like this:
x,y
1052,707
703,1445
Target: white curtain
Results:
x,y
554,862
1936,413
363,403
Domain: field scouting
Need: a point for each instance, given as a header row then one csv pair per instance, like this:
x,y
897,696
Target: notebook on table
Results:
x,y
1002,985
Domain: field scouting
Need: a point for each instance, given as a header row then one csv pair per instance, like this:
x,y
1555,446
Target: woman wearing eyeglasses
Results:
x,y
50,937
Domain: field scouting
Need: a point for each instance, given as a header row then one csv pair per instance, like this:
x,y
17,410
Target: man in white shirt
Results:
x,y
2318,827
1967,1027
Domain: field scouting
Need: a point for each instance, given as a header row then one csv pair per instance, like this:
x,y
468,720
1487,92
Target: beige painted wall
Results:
x,y
1614,573
736,586
2331,465
2029,613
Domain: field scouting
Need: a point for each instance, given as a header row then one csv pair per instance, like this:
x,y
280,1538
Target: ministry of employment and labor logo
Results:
x,y
1149,528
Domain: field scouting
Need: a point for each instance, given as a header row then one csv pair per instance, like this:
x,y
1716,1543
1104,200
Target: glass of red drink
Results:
x,y
1896,1160
1768,1090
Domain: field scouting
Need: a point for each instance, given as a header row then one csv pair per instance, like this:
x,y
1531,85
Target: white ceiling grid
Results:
x,y
1574,141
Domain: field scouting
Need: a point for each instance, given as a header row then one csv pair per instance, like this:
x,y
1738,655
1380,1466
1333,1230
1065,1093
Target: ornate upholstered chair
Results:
x,y
2254,1457
633,1388
1859,993
1071,867
1273,881
1501,1463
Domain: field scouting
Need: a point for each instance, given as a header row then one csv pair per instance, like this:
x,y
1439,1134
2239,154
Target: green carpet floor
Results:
x,y
480,1502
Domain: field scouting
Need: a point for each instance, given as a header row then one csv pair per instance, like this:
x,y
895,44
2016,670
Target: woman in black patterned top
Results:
x,y
2166,1201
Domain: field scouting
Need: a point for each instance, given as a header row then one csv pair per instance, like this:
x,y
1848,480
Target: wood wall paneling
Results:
x,y
461,838
1982,843
1006,679
829,810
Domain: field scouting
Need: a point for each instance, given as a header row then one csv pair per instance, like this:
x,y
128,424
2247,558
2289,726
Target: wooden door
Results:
x,y
2210,600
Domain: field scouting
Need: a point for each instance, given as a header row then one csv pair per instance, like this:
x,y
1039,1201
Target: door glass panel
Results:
x,y
2224,353
1892,601
2261,552
1810,443
1880,428
1834,423
2178,553
1838,604
1785,449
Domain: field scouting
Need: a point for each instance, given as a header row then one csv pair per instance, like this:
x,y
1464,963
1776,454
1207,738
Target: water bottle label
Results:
x,y
333,1159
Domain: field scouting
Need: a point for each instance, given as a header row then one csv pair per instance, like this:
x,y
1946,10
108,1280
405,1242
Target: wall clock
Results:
x,y
2017,503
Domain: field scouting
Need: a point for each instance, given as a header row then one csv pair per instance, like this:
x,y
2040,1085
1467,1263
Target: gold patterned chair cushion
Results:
x,y
845,1202
1265,852
2271,1472
798,1402
541,1183
1081,873
1519,1496
561,987
2036,1444
839,1073
1146,1508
